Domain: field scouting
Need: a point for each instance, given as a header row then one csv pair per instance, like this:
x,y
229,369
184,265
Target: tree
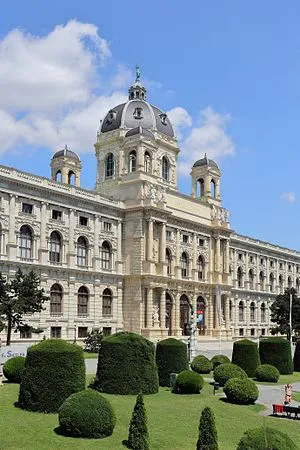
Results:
x,y
280,311
208,439
138,437
18,297
93,341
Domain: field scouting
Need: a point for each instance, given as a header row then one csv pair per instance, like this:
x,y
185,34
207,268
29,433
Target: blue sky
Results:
x,y
228,73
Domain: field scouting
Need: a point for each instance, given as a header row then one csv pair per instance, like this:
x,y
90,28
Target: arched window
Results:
x,y
200,188
184,265
82,249
200,267
201,313
280,282
147,162
262,281
239,276
184,314
71,177
82,301
165,168
56,294
263,312
289,282
105,255
213,189
58,176
25,243
252,312
169,261
107,302
251,279
109,166
271,282
132,161
55,247
241,311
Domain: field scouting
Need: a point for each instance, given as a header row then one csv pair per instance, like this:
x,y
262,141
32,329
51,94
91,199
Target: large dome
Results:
x,y
137,113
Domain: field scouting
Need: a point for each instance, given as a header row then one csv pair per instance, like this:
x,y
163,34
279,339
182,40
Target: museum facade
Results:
x,y
135,254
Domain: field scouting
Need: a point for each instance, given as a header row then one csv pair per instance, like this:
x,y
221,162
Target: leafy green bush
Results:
x,y
217,360
138,437
54,369
245,355
208,439
93,341
266,372
265,439
126,365
201,364
13,369
188,382
241,391
276,351
297,357
226,371
86,414
171,357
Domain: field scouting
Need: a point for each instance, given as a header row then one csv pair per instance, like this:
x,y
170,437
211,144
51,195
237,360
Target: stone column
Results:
x,y
163,243
150,240
149,308
43,250
96,258
119,265
210,315
177,256
194,262
227,256
162,309
217,189
176,326
217,254
227,317
71,252
12,244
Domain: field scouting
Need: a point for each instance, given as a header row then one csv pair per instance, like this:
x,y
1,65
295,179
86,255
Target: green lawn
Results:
x,y
284,379
90,355
173,422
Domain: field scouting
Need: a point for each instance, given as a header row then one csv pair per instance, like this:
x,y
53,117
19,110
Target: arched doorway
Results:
x,y
184,314
201,315
169,306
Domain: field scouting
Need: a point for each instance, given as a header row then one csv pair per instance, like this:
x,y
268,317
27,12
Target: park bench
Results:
x,y
288,409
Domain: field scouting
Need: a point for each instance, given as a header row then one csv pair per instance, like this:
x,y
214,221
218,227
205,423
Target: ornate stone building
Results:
x,y
136,254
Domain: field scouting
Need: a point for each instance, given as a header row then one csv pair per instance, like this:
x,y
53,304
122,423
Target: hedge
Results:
x,y
266,372
171,357
13,369
217,360
245,355
188,382
86,414
297,357
226,371
126,365
201,364
54,369
265,438
241,391
276,351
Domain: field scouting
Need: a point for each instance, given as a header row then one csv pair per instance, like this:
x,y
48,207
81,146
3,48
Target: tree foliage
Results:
x,y
138,437
207,439
19,296
280,312
93,341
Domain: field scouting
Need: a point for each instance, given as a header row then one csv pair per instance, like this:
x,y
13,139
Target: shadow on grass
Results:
x,y
125,443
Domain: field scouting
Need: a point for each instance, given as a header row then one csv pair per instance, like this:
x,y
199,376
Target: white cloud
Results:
x,y
179,118
290,197
210,138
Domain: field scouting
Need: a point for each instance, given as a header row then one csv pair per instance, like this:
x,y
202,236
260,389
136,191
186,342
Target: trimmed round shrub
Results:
x,y
171,357
217,360
13,369
242,391
86,414
126,365
266,372
54,369
276,351
265,438
245,354
201,364
226,371
188,382
297,357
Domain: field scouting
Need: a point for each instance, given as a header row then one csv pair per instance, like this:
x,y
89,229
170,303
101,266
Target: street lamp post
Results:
x,y
192,338
290,322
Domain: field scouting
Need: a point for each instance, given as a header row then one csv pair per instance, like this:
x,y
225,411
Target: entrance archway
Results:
x,y
169,307
201,307
184,314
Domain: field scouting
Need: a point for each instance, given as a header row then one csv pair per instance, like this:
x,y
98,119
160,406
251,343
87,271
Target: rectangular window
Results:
x,y
25,334
83,221
107,226
55,332
201,242
240,256
252,332
185,238
169,235
241,332
106,331
56,215
261,260
27,208
263,331
280,266
290,267
82,332
251,259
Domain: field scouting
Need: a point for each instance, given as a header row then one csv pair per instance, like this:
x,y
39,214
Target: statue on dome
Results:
x,y
137,73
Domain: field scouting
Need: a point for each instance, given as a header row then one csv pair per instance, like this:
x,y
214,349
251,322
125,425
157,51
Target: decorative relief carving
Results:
x,y
221,214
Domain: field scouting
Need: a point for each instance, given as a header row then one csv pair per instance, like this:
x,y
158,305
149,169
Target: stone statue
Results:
x,y
137,73
155,315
